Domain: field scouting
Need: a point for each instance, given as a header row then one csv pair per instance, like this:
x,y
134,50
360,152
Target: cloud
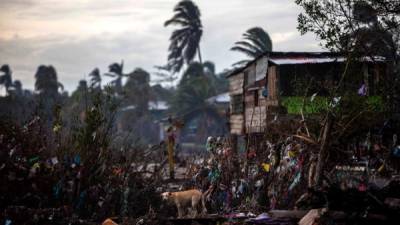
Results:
x,y
74,58
78,35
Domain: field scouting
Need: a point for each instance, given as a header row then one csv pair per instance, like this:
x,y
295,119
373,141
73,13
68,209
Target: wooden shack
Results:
x,y
258,89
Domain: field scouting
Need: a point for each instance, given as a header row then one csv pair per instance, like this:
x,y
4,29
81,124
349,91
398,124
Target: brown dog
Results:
x,y
184,200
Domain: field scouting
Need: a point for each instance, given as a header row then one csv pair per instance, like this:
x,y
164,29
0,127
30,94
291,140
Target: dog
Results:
x,y
184,200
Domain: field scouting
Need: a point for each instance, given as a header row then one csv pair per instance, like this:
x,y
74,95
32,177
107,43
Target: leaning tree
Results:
x,y
184,41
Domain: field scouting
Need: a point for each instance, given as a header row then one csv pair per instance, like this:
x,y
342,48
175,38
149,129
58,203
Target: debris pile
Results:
x,y
280,173
270,182
41,186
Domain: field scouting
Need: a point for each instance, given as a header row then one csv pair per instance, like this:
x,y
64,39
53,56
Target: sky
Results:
x,y
75,36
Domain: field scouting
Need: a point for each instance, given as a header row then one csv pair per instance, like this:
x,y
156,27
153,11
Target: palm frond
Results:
x,y
257,50
115,68
255,42
110,75
176,21
240,63
245,51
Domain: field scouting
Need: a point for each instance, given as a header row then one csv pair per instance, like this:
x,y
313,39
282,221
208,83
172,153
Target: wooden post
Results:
x,y
171,161
170,148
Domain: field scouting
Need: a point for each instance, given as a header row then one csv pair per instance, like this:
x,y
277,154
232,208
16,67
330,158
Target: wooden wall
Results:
x,y
273,85
236,121
236,84
253,117
256,114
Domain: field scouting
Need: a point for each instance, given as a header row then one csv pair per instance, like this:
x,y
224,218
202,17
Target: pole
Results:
x,y
170,148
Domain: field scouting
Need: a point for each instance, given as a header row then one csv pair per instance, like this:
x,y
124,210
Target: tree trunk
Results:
x,y
199,54
323,153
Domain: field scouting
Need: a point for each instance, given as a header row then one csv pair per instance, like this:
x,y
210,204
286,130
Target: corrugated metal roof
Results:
x,y
289,61
287,58
311,60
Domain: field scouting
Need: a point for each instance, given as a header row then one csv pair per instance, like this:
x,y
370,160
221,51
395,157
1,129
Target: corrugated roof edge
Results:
x,y
282,54
286,54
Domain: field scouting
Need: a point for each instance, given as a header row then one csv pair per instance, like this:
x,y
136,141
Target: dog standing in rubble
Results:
x,y
184,200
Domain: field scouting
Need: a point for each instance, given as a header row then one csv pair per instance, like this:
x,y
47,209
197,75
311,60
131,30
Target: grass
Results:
x,y
319,104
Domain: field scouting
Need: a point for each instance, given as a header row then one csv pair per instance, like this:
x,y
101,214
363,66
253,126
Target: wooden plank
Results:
x,y
249,99
272,80
296,214
236,84
236,131
240,116
259,117
236,124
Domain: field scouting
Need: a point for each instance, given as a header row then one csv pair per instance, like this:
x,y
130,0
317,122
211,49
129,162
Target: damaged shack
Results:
x,y
274,84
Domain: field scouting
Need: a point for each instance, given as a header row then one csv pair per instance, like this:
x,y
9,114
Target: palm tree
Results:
x,y
80,95
6,78
137,89
197,84
116,70
47,86
193,70
192,95
47,81
196,69
185,42
256,41
82,86
95,78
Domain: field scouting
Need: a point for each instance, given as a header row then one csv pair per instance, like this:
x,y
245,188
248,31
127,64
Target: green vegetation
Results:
x,y
319,104
294,104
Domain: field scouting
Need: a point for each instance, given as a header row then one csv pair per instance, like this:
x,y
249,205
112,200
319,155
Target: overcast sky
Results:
x,y
76,36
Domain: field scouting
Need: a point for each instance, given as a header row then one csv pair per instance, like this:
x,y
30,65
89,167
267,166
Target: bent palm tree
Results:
x,y
185,42
95,78
116,70
256,41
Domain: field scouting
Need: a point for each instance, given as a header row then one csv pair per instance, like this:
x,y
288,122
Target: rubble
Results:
x,y
274,184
